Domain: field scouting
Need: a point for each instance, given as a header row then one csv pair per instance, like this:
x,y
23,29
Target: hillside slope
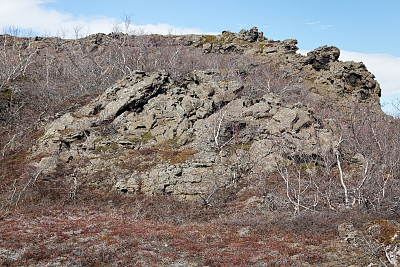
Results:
x,y
233,136
206,130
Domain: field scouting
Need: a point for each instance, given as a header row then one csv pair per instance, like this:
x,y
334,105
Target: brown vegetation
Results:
x,y
285,218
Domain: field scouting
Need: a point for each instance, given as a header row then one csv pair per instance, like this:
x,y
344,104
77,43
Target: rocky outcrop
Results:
x,y
341,83
351,79
320,70
320,57
332,82
191,136
251,36
153,135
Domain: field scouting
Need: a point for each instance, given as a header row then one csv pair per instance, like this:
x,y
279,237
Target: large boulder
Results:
x,y
349,82
153,135
251,36
322,56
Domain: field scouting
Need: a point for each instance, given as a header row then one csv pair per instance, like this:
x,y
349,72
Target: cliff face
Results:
x,y
209,130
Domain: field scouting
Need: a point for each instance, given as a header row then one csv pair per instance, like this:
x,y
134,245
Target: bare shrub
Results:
x,y
41,76
260,78
375,139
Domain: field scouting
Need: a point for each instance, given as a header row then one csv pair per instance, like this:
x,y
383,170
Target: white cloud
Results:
x,y
318,26
160,29
33,15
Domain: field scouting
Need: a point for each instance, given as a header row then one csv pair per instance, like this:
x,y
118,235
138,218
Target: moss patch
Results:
x,y
7,95
169,144
208,39
105,148
261,46
178,156
244,146
144,139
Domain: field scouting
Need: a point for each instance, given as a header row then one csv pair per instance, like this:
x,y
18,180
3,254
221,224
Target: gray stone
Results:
x,y
285,118
322,56
347,232
47,165
154,135
250,36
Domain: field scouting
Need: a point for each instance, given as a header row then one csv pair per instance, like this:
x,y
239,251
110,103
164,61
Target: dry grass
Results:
x,y
83,236
135,230
48,225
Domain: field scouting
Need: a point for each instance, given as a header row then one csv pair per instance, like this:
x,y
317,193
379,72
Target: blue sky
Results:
x,y
366,30
368,26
